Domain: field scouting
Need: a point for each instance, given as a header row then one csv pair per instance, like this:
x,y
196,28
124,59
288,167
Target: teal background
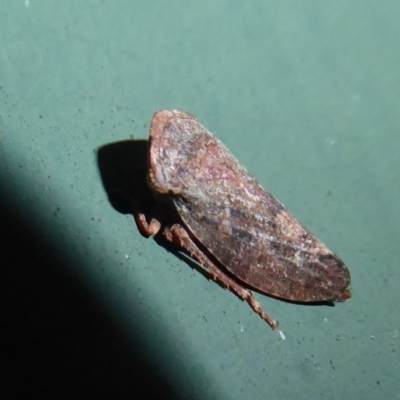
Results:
x,y
304,93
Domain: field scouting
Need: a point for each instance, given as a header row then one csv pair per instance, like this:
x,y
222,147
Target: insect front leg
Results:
x,y
147,228
137,209
179,236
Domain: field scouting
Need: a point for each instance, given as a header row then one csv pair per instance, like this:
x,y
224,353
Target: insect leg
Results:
x,y
148,228
180,237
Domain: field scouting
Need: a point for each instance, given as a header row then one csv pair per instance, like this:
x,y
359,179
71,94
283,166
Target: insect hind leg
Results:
x,y
179,236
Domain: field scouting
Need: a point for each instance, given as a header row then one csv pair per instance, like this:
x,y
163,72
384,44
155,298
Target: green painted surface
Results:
x,y
305,94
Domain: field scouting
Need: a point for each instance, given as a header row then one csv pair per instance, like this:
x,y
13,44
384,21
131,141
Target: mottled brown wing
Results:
x,y
265,246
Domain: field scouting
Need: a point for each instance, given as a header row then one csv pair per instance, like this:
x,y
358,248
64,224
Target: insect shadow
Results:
x,y
123,168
